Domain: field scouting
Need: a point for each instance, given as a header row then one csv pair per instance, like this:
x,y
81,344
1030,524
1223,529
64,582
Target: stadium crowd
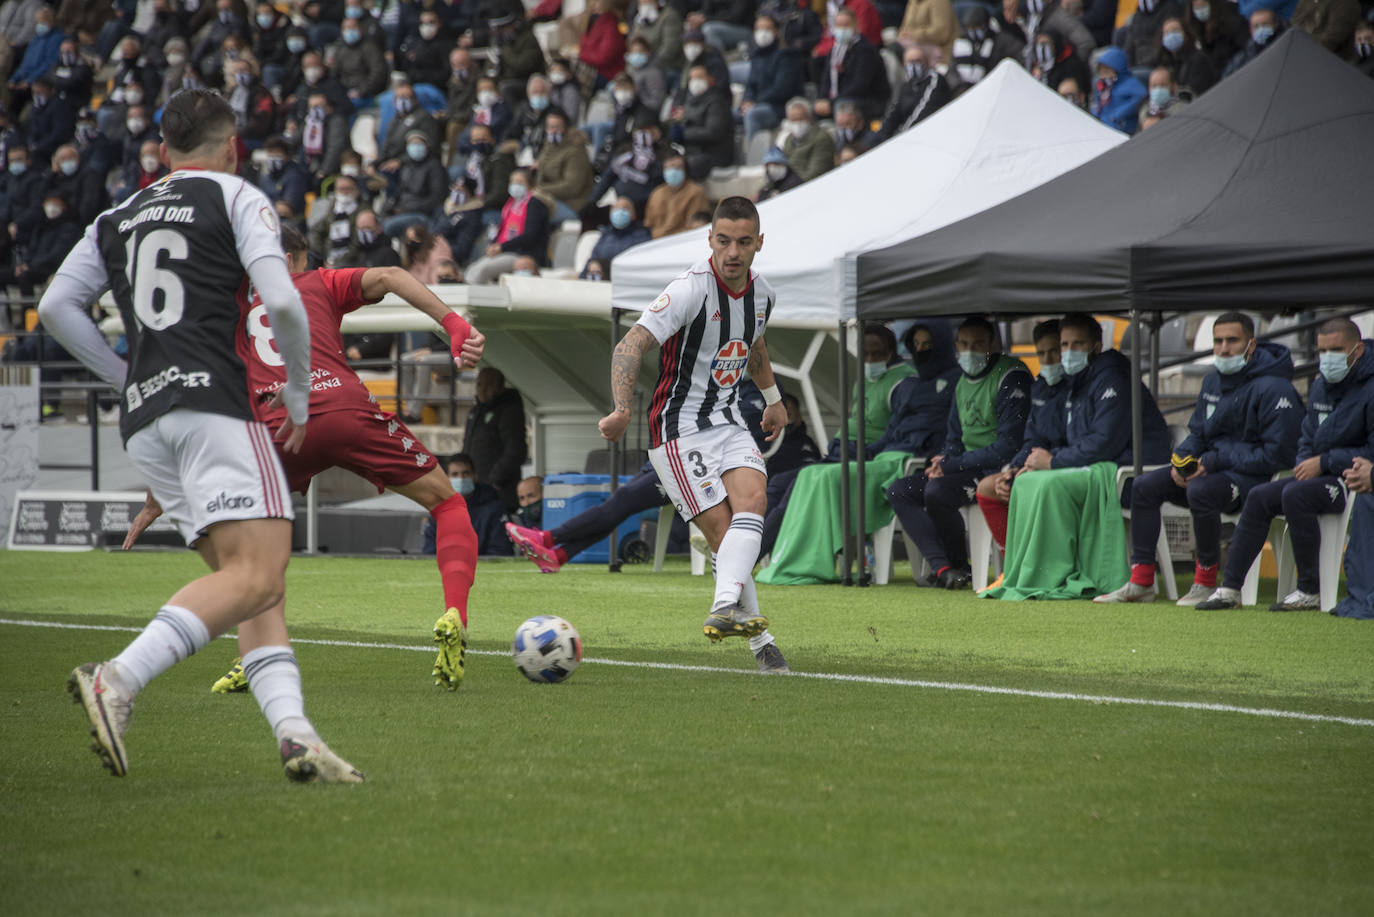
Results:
x,y
491,124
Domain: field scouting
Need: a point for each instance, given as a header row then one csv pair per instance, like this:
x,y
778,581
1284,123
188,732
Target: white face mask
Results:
x,y
350,170
428,31
698,87
135,125
52,211
777,171
487,99
764,37
149,163
176,60
692,51
313,74
624,97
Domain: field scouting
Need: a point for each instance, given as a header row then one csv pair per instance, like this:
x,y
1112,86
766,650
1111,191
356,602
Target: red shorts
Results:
x,y
370,444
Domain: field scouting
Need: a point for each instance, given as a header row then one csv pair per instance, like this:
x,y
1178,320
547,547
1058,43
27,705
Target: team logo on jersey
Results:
x,y
715,316
269,217
658,305
729,363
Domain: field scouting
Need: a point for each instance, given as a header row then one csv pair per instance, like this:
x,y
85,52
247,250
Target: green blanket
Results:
x,y
811,533
1065,537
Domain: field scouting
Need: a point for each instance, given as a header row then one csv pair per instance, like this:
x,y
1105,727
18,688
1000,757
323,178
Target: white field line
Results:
x,y
815,676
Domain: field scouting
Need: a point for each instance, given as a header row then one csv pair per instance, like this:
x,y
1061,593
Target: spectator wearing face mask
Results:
x,y
778,175
672,203
410,116
775,75
315,77
1164,98
356,14
524,230
1140,36
516,55
708,132
254,109
323,139
476,196
138,130
70,76
1052,60
460,88
1331,22
565,93
179,74
297,44
924,93
595,271
851,128
563,167
634,169
610,138
423,54
1180,53
40,55
1220,29
83,189
421,184
660,25
1362,55
808,149
524,135
490,110
127,88
650,81
334,225
1264,28
55,233
852,70
281,178
51,120
1071,92
371,247
1117,93
359,64
983,44
1042,15
525,266
21,199
269,42
484,506
697,53
623,231
929,24
799,28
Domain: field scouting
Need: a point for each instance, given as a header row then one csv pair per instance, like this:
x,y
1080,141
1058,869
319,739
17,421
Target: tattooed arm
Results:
x,y
624,373
761,371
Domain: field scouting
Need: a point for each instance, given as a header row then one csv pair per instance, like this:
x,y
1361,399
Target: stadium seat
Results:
x,y
363,135
758,145
585,243
745,181
563,245
1333,529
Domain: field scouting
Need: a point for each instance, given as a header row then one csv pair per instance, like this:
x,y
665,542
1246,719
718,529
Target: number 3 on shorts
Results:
x,y
146,278
698,466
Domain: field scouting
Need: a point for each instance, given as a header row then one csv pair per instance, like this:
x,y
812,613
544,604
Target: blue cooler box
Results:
x,y
567,495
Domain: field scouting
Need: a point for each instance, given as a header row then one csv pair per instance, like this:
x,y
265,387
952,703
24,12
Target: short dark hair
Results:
x,y
1046,328
883,333
276,142
983,324
736,208
1083,322
1342,326
464,458
293,240
195,117
1237,318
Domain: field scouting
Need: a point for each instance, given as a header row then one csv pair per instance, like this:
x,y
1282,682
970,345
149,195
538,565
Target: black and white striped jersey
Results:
x,y
174,257
704,333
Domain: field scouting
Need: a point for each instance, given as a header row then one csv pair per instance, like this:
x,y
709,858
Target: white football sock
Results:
x,y
174,634
735,559
759,642
749,598
275,680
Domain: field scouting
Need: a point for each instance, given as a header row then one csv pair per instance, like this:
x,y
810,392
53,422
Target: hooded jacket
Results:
x,y
1340,418
921,403
1247,423
1122,102
1045,424
1097,417
495,438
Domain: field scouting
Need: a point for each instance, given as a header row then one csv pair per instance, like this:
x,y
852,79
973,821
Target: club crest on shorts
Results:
x,y
708,490
729,363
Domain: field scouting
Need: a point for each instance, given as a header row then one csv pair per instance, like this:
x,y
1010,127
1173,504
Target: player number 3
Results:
x,y
146,278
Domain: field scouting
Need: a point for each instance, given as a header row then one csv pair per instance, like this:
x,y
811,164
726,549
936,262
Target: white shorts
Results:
x,y
690,467
207,468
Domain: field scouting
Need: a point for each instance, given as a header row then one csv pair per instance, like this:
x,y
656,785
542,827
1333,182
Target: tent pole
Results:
x,y
846,578
1137,418
1156,324
859,453
617,454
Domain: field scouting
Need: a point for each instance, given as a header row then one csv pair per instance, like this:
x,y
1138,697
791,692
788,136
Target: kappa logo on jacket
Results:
x,y
1283,404
1109,393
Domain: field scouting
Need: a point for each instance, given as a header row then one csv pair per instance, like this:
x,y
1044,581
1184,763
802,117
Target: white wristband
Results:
x,y
771,395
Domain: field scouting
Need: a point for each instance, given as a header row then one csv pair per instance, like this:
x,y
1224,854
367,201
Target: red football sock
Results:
x,y
1205,576
455,549
561,554
996,513
1143,574
548,539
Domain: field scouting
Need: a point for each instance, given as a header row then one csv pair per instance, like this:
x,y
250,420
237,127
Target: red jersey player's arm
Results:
x,y
376,282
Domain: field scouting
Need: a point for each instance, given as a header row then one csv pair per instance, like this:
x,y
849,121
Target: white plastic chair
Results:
x,y
583,252
1333,529
665,524
884,537
981,550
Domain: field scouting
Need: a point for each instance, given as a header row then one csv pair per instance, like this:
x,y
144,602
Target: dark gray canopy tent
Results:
x,y
1258,196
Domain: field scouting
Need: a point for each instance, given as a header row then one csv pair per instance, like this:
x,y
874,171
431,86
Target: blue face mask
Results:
x,y
18,168
1262,34
1052,373
464,486
636,59
1334,366
295,44
353,12
620,218
352,36
1172,41
674,177
416,151
874,371
539,103
265,20
972,362
516,191
41,29
1160,95
1074,361
1229,365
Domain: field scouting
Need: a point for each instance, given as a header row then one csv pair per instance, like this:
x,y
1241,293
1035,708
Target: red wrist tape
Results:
x,y
458,330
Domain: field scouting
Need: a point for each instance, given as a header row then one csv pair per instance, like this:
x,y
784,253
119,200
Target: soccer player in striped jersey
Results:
x,y
709,325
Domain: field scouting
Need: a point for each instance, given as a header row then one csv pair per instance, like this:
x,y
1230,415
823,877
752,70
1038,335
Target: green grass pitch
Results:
x,y
633,789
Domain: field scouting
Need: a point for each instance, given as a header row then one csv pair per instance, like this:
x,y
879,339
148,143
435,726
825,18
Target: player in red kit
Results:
x,y
348,431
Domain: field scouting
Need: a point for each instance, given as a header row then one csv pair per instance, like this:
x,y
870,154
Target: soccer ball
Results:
x,y
546,649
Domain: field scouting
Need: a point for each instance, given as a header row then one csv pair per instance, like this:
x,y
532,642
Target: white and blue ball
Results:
x,y
546,649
